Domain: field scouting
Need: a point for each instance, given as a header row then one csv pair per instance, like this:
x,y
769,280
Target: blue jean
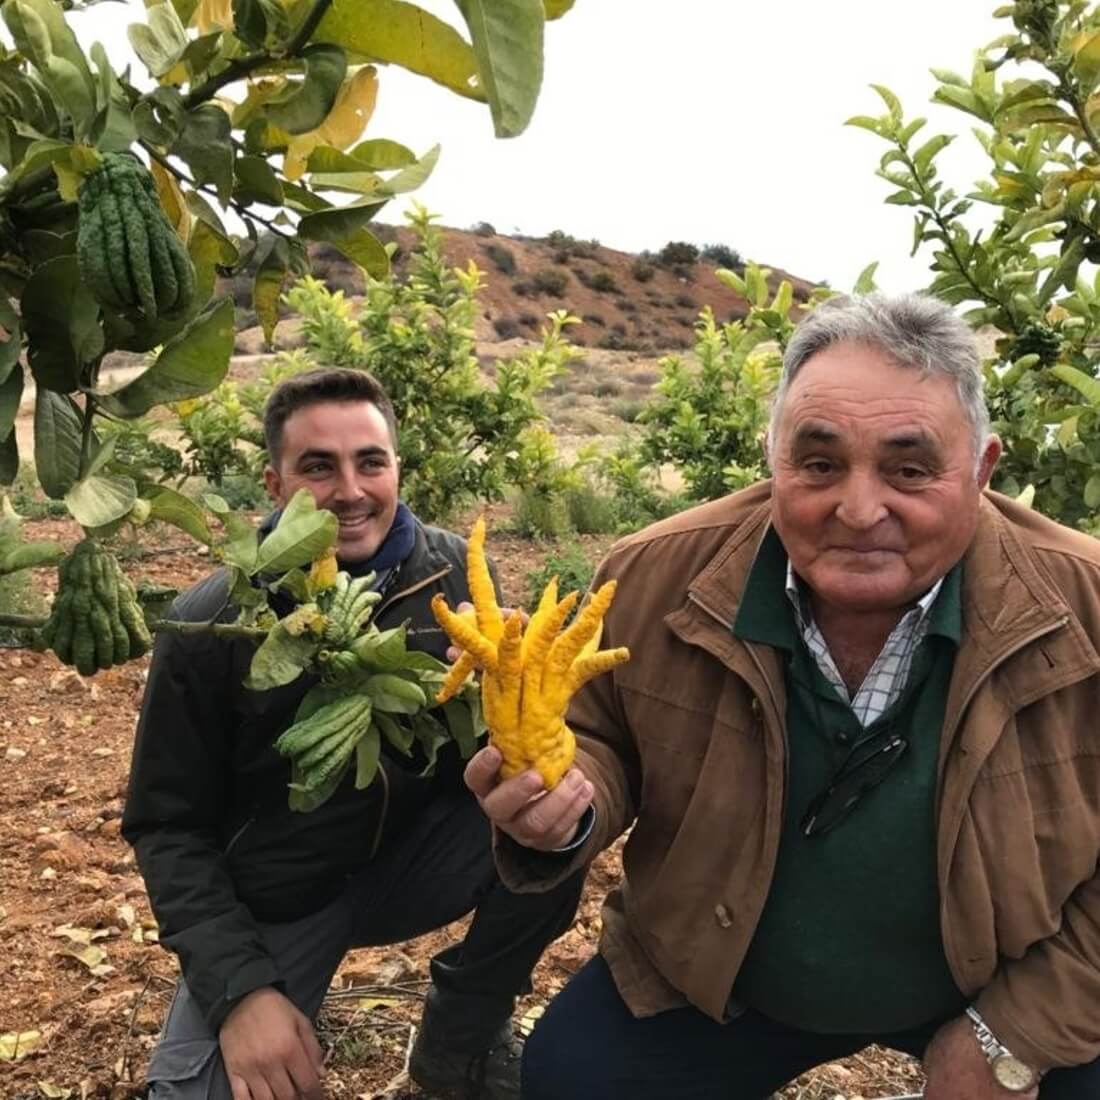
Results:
x,y
588,1046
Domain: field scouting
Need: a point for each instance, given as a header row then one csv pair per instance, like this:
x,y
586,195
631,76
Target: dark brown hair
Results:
x,y
312,387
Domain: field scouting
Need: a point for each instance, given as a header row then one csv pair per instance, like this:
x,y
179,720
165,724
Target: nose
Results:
x,y
347,484
861,506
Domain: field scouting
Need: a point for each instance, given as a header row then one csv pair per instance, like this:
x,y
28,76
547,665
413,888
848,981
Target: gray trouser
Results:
x,y
438,871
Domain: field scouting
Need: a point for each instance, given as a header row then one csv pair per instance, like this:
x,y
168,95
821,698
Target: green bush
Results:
x,y
603,282
678,253
506,327
539,514
721,255
502,258
461,439
550,281
572,568
642,270
591,512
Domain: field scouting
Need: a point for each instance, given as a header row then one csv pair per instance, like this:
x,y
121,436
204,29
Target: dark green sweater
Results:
x,y
849,940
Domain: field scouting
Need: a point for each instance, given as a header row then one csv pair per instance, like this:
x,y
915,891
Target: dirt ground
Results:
x,y
84,984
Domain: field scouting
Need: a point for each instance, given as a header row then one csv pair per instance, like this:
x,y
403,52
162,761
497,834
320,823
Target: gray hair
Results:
x,y
914,330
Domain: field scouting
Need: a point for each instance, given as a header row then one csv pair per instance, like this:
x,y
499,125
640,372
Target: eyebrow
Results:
x,y
806,434
912,440
319,452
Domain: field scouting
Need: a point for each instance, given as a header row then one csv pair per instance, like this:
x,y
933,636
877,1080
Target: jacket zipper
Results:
x,y
237,835
422,583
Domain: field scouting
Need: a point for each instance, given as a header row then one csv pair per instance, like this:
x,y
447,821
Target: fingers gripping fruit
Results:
x,y
528,676
130,256
96,621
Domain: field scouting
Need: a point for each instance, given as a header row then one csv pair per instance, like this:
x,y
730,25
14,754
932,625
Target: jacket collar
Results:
x,y
1007,602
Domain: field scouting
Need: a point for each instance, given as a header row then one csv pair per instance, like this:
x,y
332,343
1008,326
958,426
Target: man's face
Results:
x,y
342,453
875,494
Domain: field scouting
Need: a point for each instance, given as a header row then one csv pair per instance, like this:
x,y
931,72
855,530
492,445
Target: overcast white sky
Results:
x,y
698,120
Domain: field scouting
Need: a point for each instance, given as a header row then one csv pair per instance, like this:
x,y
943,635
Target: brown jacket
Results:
x,y
687,742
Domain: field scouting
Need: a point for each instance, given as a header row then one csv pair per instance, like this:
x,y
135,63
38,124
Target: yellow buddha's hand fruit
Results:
x,y
528,675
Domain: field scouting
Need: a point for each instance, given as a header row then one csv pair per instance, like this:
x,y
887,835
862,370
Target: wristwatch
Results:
x,y
1008,1071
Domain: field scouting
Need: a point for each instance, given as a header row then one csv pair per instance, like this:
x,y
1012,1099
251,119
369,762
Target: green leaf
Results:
x,y
507,39
11,393
1087,386
158,117
432,734
271,274
555,9
61,319
161,41
412,177
401,737
359,245
366,758
380,155
242,539
308,102
101,499
399,33
209,249
923,157
866,122
170,506
45,38
303,533
205,144
57,433
394,694
460,721
892,102
865,284
191,364
257,181
281,658
1092,492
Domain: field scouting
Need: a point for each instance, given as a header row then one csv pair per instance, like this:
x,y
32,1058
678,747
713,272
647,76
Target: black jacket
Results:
x,y
207,812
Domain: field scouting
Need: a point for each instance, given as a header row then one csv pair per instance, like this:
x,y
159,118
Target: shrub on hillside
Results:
x,y
485,229
678,253
603,282
506,327
502,258
550,281
642,271
721,255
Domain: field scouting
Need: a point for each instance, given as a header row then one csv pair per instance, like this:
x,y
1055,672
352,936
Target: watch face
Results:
x,y
1013,1074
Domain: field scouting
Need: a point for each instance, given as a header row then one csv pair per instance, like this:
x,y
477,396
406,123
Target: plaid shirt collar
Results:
x,y
889,674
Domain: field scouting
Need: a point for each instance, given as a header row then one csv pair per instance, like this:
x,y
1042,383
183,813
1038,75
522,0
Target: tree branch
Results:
x,y
205,188
158,626
242,66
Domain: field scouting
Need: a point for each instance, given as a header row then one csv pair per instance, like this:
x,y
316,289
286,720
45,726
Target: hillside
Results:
x,y
626,302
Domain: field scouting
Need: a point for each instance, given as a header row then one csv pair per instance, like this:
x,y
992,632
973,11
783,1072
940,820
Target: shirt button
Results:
x,y
722,915
843,738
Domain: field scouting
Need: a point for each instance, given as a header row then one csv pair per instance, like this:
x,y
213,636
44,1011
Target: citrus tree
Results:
x,y
122,199
1019,250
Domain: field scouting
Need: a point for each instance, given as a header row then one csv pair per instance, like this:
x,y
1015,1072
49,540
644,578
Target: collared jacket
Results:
x,y
687,743
207,811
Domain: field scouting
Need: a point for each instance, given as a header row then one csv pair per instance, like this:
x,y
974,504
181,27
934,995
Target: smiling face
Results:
x,y
341,451
875,495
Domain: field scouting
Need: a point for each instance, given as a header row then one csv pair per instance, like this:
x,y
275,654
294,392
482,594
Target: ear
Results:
x,y
991,454
274,484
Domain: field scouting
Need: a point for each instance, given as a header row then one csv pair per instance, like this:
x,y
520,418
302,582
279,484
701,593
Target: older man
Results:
x,y
859,748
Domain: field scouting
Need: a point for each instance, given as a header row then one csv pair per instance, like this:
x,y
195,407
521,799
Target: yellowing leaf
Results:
x,y
15,1044
53,1092
171,199
343,126
91,956
213,15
